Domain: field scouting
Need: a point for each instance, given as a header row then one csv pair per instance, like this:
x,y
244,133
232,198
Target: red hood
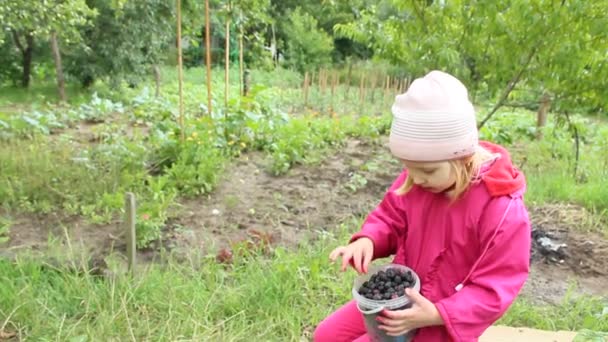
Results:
x,y
502,178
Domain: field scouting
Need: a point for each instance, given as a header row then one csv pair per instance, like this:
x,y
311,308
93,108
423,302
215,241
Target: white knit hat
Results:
x,y
433,120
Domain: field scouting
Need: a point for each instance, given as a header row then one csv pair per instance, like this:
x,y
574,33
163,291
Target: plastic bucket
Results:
x,y
370,309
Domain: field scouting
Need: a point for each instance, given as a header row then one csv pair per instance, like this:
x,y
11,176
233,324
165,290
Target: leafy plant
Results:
x,y
356,181
5,225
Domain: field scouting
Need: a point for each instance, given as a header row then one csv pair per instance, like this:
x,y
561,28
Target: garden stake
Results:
x,y
130,230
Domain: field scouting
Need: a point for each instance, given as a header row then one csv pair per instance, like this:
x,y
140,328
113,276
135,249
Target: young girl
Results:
x,y
456,216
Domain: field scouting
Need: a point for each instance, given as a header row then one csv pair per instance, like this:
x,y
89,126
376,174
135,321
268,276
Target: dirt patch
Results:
x,y
575,257
88,132
36,232
584,253
291,207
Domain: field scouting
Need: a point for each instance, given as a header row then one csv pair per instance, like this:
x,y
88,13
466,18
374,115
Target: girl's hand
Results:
x,y
422,314
360,251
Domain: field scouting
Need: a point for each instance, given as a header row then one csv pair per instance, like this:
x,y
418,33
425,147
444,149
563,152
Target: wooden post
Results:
x,y
180,71
305,89
543,110
373,86
325,77
208,55
320,81
246,82
241,53
156,70
348,77
387,87
364,94
130,228
334,80
227,61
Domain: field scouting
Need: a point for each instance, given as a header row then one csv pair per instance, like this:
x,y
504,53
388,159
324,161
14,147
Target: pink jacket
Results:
x,y
472,256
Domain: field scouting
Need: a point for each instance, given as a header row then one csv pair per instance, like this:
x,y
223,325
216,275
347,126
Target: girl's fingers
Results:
x,y
336,253
358,260
397,314
367,259
394,328
346,256
398,332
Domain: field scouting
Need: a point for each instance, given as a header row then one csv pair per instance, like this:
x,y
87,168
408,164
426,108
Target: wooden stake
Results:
x,y
361,85
130,222
306,89
373,86
320,78
541,119
386,87
348,77
246,82
227,61
180,71
156,70
334,80
208,53
241,58
366,78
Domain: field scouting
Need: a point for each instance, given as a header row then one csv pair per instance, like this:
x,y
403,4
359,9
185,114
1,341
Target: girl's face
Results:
x,y
435,177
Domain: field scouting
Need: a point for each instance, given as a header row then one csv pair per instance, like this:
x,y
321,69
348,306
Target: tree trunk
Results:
x,y
246,82
275,55
58,67
543,110
510,86
27,53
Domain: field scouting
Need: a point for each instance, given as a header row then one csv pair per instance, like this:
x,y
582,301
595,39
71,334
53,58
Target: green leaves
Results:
x,y
557,46
41,17
307,46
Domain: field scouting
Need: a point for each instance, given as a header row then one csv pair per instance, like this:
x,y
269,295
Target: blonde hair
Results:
x,y
466,171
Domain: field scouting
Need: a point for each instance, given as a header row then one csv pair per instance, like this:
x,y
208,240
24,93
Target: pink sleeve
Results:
x,y
387,223
498,277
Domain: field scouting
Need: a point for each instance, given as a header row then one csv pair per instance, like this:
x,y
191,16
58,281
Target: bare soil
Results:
x,y
290,210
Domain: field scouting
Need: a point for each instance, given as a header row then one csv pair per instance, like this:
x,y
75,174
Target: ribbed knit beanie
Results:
x,y
433,120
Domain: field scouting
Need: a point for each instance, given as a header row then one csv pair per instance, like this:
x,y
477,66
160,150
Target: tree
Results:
x,y
328,14
28,21
503,49
127,37
307,46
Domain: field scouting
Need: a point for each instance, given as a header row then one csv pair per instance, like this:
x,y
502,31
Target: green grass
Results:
x,y
549,164
573,313
280,297
17,99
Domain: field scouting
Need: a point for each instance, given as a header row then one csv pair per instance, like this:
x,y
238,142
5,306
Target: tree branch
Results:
x,y
17,41
420,13
512,83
